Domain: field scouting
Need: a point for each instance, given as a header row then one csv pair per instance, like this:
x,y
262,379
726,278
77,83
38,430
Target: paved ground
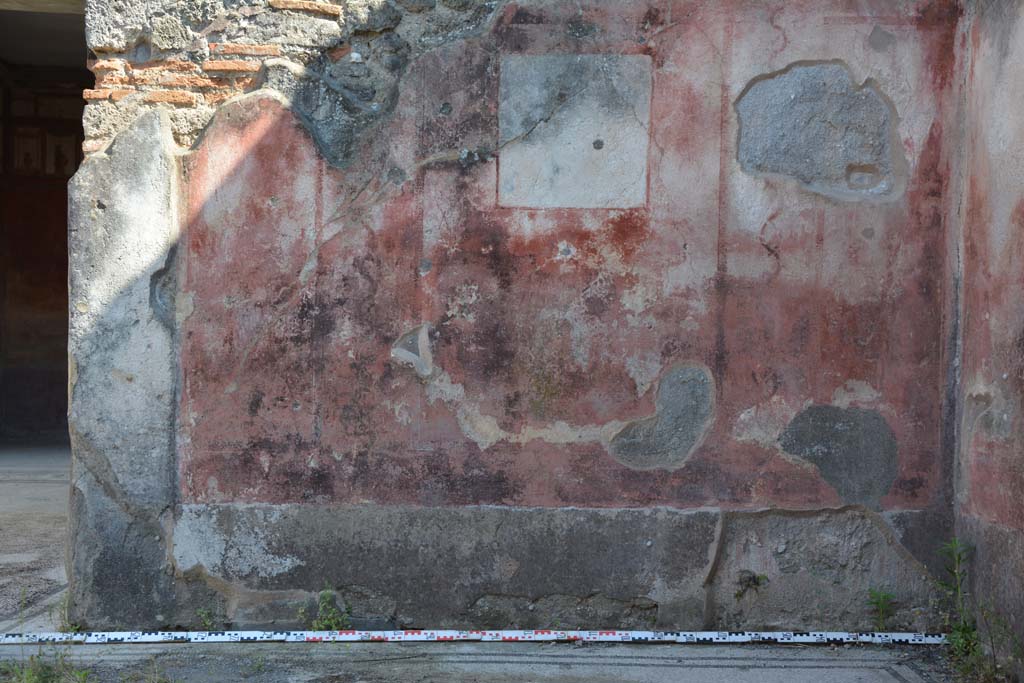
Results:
x,y
33,524
498,663
33,502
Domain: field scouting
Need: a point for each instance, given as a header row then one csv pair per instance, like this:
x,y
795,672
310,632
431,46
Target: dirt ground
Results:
x,y
33,525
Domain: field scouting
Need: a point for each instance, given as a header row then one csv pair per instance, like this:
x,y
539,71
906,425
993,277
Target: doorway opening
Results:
x,y
42,74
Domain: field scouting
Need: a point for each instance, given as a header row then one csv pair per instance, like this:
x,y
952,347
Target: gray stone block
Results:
x,y
790,570
461,567
123,224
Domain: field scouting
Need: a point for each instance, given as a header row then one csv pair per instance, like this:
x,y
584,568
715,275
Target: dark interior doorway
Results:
x,y
42,75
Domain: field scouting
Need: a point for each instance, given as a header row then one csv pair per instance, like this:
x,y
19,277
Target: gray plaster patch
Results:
x,y
247,550
551,110
853,448
880,39
811,122
683,410
413,349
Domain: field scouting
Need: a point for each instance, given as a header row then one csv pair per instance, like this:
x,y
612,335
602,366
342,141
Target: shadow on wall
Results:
x,y
309,350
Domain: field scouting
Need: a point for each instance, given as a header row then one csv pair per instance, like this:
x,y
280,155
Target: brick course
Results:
x,y
176,97
250,50
307,6
231,66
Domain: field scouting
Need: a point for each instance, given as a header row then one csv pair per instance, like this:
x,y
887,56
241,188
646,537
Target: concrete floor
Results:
x,y
33,520
33,524
499,663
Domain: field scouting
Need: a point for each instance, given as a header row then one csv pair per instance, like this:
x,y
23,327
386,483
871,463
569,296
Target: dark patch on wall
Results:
x,y
339,99
881,40
653,18
332,113
462,116
522,15
810,122
122,577
683,409
853,448
163,285
494,245
508,30
923,532
314,319
255,402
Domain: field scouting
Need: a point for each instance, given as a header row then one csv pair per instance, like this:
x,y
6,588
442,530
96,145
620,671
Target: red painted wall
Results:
x,y
549,324
993,265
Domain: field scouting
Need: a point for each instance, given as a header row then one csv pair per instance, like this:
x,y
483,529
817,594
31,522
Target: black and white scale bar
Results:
x,y
424,636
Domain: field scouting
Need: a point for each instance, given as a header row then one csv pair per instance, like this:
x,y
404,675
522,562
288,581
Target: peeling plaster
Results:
x,y
663,440
855,392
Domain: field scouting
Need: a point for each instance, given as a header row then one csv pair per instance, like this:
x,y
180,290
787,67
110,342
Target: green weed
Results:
x,y
42,669
748,580
207,619
883,607
328,616
63,615
966,651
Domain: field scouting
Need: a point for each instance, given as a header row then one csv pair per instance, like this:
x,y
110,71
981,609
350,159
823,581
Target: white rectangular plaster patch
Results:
x,y
573,131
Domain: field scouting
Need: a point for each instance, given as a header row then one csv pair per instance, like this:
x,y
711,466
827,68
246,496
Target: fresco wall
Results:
x,y
595,305
516,313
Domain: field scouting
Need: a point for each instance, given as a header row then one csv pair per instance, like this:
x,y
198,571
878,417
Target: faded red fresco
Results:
x,y
993,287
298,278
